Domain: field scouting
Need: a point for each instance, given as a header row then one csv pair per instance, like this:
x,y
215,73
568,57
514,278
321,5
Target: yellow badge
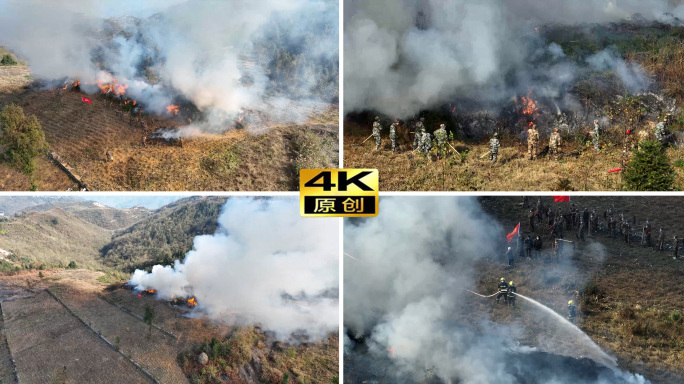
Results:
x,y
338,192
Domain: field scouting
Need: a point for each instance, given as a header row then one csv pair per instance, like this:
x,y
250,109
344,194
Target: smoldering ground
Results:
x,y
264,265
402,57
406,312
213,57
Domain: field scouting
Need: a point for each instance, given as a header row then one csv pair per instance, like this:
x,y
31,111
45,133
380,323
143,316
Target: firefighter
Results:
x,y
510,257
537,247
595,139
511,294
528,247
377,128
676,247
572,311
393,134
554,144
661,239
420,129
531,216
109,156
532,142
647,233
494,145
503,290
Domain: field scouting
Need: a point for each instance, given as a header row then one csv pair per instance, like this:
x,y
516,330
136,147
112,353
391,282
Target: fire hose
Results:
x,y
348,255
486,297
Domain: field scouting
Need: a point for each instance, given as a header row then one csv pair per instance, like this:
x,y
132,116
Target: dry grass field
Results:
x,y
265,156
627,296
579,169
51,343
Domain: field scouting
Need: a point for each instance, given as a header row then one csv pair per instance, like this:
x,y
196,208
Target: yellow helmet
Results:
x,y
570,302
502,279
511,283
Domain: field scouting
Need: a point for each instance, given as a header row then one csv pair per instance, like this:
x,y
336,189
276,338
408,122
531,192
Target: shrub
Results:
x,y
149,316
23,138
72,265
7,59
650,170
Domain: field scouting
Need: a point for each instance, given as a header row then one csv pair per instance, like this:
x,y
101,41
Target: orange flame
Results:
x,y
192,302
151,291
529,105
173,109
112,87
392,351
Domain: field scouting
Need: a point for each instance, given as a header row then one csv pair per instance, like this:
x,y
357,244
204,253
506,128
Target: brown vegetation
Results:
x,y
584,169
627,296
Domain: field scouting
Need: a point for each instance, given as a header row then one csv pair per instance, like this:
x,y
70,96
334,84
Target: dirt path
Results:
x,y
51,345
7,374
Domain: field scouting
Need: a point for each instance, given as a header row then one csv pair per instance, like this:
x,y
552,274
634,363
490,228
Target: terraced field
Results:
x,y
265,156
50,345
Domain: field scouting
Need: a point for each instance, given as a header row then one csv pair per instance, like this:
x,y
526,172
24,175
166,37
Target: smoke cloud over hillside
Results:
x,y
406,276
404,56
221,56
264,265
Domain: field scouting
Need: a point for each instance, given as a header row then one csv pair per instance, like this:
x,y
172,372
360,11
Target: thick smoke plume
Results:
x,y
264,265
406,276
220,56
405,56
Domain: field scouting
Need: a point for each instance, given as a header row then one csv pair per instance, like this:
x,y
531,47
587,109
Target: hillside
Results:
x,y
626,301
53,233
98,214
163,236
53,238
11,205
654,53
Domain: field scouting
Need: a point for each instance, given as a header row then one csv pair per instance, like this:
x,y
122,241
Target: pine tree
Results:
x,y
23,138
649,170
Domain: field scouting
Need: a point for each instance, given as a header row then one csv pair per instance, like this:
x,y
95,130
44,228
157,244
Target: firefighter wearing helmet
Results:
x,y
572,312
503,290
511,294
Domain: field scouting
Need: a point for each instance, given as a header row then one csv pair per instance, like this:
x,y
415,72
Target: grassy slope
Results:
x,y
629,312
236,160
585,169
53,238
658,48
166,234
97,214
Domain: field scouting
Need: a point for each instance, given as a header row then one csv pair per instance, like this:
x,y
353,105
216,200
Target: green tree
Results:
x,y
649,170
22,137
149,316
72,265
7,59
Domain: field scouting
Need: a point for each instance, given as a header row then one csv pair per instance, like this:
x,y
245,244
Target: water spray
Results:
x,y
599,355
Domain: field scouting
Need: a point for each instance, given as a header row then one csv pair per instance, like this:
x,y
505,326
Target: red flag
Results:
x,y
86,100
560,199
509,237
615,170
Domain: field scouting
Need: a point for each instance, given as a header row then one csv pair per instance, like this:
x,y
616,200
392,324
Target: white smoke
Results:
x,y
201,51
404,56
405,281
264,265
